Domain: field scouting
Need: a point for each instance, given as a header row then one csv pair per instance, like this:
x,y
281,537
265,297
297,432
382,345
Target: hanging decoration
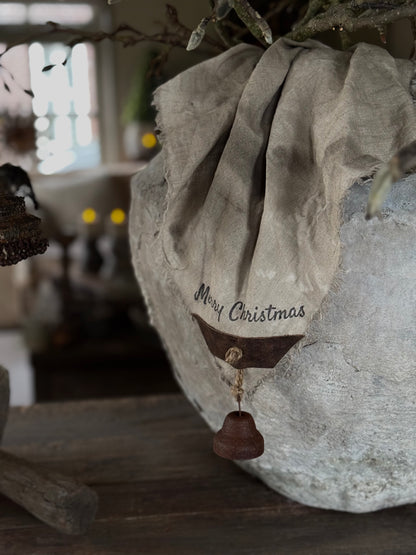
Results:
x,y
238,438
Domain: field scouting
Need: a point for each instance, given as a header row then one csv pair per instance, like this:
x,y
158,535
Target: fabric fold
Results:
x,y
260,147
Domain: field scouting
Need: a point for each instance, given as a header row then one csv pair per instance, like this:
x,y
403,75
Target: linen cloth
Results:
x,y
259,148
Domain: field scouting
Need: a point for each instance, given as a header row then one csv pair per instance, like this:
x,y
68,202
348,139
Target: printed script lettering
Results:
x,y
270,314
204,294
239,311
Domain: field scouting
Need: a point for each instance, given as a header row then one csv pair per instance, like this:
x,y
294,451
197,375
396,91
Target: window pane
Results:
x,y
17,139
12,14
82,96
83,130
67,14
58,129
65,107
37,62
14,75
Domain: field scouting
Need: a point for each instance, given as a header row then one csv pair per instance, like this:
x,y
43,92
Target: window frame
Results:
x,y
105,73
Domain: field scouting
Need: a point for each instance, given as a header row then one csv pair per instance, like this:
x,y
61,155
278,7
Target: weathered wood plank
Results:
x,y
232,532
57,500
99,419
116,440
162,491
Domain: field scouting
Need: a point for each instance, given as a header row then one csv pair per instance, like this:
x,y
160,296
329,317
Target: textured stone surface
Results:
x,y
338,412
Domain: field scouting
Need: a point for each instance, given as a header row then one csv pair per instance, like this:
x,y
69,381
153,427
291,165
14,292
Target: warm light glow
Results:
x,y
89,215
149,140
118,216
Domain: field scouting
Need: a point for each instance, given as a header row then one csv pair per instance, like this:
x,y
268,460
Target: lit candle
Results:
x,y
149,140
118,216
91,259
118,219
91,223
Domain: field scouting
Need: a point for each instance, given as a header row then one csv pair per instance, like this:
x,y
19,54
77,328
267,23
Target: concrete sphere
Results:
x,y
338,412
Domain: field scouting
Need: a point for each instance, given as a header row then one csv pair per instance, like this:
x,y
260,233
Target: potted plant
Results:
x,y
249,237
138,117
233,229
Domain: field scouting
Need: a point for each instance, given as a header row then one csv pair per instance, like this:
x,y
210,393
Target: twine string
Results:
x,y
232,356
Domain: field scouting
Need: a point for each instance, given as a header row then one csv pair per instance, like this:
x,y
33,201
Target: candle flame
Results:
x,y
149,140
118,216
89,215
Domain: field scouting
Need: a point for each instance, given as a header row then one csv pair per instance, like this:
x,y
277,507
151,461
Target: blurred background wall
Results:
x,y
72,321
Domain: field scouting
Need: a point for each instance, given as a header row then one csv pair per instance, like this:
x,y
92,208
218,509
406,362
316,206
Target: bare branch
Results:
x,y
256,24
223,8
125,34
403,161
353,16
185,32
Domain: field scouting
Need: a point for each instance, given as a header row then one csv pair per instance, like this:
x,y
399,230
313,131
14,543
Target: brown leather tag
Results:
x,y
258,352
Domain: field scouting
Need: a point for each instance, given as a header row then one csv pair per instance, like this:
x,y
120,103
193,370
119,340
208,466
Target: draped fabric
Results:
x,y
259,149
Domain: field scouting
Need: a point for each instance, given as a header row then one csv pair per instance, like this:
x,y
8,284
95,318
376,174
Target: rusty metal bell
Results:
x,y
239,438
20,233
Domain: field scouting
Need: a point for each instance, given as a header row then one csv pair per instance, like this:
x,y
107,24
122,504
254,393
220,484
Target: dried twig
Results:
x,y
184,32
320,16
237,32
125,34
256,24
403,161
352,16
223,8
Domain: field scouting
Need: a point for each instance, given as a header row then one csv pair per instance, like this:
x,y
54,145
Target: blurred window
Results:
x,y
56,130
12,13
67,14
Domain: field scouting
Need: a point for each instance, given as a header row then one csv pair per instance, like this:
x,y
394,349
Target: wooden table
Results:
x,y
163,491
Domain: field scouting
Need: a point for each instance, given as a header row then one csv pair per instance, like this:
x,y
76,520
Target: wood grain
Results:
x,y
59,501
163,491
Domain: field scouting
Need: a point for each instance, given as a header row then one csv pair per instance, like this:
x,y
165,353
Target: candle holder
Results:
x,y
92,259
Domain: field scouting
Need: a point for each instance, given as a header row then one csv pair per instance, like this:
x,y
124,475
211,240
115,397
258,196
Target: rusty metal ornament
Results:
x,y
238,438
20,233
